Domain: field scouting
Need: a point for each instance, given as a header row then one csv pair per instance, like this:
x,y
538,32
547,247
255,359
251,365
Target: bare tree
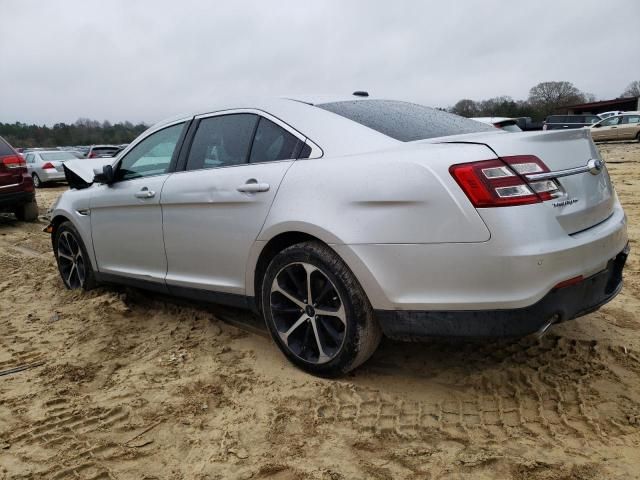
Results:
x,y
632,90
465,108
547,96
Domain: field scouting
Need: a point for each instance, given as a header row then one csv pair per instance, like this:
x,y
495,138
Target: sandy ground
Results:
x,y
127,385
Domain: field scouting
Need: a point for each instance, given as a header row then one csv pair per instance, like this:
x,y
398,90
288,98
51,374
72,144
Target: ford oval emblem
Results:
x,y
595,166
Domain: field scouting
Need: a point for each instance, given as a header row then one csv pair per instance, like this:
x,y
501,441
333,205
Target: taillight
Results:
x,y
13,162
48,165
502,183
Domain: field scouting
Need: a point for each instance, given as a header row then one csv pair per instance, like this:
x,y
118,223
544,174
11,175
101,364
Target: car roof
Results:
x,y
324,128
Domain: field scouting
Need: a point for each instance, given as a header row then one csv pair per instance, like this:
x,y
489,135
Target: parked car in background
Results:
x,y
611,113
103,151
555,122
504,123
17,193
617,127
341,218
526,124
45,166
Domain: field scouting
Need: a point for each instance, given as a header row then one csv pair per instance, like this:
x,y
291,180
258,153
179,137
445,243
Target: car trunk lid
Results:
x,y
586,195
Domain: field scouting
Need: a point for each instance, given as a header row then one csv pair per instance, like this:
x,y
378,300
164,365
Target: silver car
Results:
x,y
343,219
45,166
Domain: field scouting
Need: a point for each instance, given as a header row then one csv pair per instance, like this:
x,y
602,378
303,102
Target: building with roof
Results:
x,y
622,104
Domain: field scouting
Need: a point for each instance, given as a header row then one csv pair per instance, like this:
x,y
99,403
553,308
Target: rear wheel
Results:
x,y
638,137
71,255
317,312
36,180
27,212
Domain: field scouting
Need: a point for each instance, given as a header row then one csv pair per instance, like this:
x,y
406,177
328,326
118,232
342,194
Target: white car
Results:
x,y
503,123
340,219
611,113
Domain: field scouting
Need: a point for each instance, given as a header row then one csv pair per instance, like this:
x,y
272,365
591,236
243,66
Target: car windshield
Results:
x,y
404,121
57,156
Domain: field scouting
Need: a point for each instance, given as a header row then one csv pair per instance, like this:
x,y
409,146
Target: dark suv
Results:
x,y
555,122
17,193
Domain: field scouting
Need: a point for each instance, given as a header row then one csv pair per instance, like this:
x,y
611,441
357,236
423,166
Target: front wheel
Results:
x,y
317,312
74,264
638,137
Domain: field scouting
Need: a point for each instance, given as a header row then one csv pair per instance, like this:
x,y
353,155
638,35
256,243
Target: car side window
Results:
x,y
152,156
222,141
611,121
29,158
631,119
273,142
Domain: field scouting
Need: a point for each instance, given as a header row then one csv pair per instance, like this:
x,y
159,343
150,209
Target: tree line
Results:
x,y
543,100
83,132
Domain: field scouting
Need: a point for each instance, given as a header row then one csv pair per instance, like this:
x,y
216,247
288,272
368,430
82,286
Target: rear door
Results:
x,y
214,210
629,127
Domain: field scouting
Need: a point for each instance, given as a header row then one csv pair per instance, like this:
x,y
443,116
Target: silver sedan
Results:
x,y
45,166
342,219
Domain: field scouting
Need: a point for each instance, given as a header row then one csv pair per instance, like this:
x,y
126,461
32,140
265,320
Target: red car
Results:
x,y
17,193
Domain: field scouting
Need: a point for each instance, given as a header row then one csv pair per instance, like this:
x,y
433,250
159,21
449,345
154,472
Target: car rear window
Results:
x,y
5,148
59,156
404,121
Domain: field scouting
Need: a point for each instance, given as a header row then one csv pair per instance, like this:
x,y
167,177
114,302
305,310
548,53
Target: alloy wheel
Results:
x,y
36,181
308,313
71,261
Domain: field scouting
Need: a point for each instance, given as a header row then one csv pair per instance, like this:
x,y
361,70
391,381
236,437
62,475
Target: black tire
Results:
x,y
73,261
27,212
343,340
638,137
36,181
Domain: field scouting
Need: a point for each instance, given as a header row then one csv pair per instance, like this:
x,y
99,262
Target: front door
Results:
x,y
126,219
608,129
215,209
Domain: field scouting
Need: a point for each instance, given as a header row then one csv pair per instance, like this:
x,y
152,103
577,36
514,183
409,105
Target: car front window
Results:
x,y
152,156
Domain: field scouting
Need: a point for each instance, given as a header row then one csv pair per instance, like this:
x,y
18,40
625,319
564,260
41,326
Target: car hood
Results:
x,y
80,173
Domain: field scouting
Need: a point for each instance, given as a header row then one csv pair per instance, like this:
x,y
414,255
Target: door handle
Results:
x,y
253,187
145,193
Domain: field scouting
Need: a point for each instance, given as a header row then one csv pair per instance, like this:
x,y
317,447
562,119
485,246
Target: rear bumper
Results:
x,y
51,176
15,199
557,306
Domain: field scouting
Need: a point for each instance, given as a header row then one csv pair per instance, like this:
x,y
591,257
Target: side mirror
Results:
x,y
596,125
106,177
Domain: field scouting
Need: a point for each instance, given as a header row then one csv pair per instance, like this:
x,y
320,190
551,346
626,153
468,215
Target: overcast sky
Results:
x,y
145,60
